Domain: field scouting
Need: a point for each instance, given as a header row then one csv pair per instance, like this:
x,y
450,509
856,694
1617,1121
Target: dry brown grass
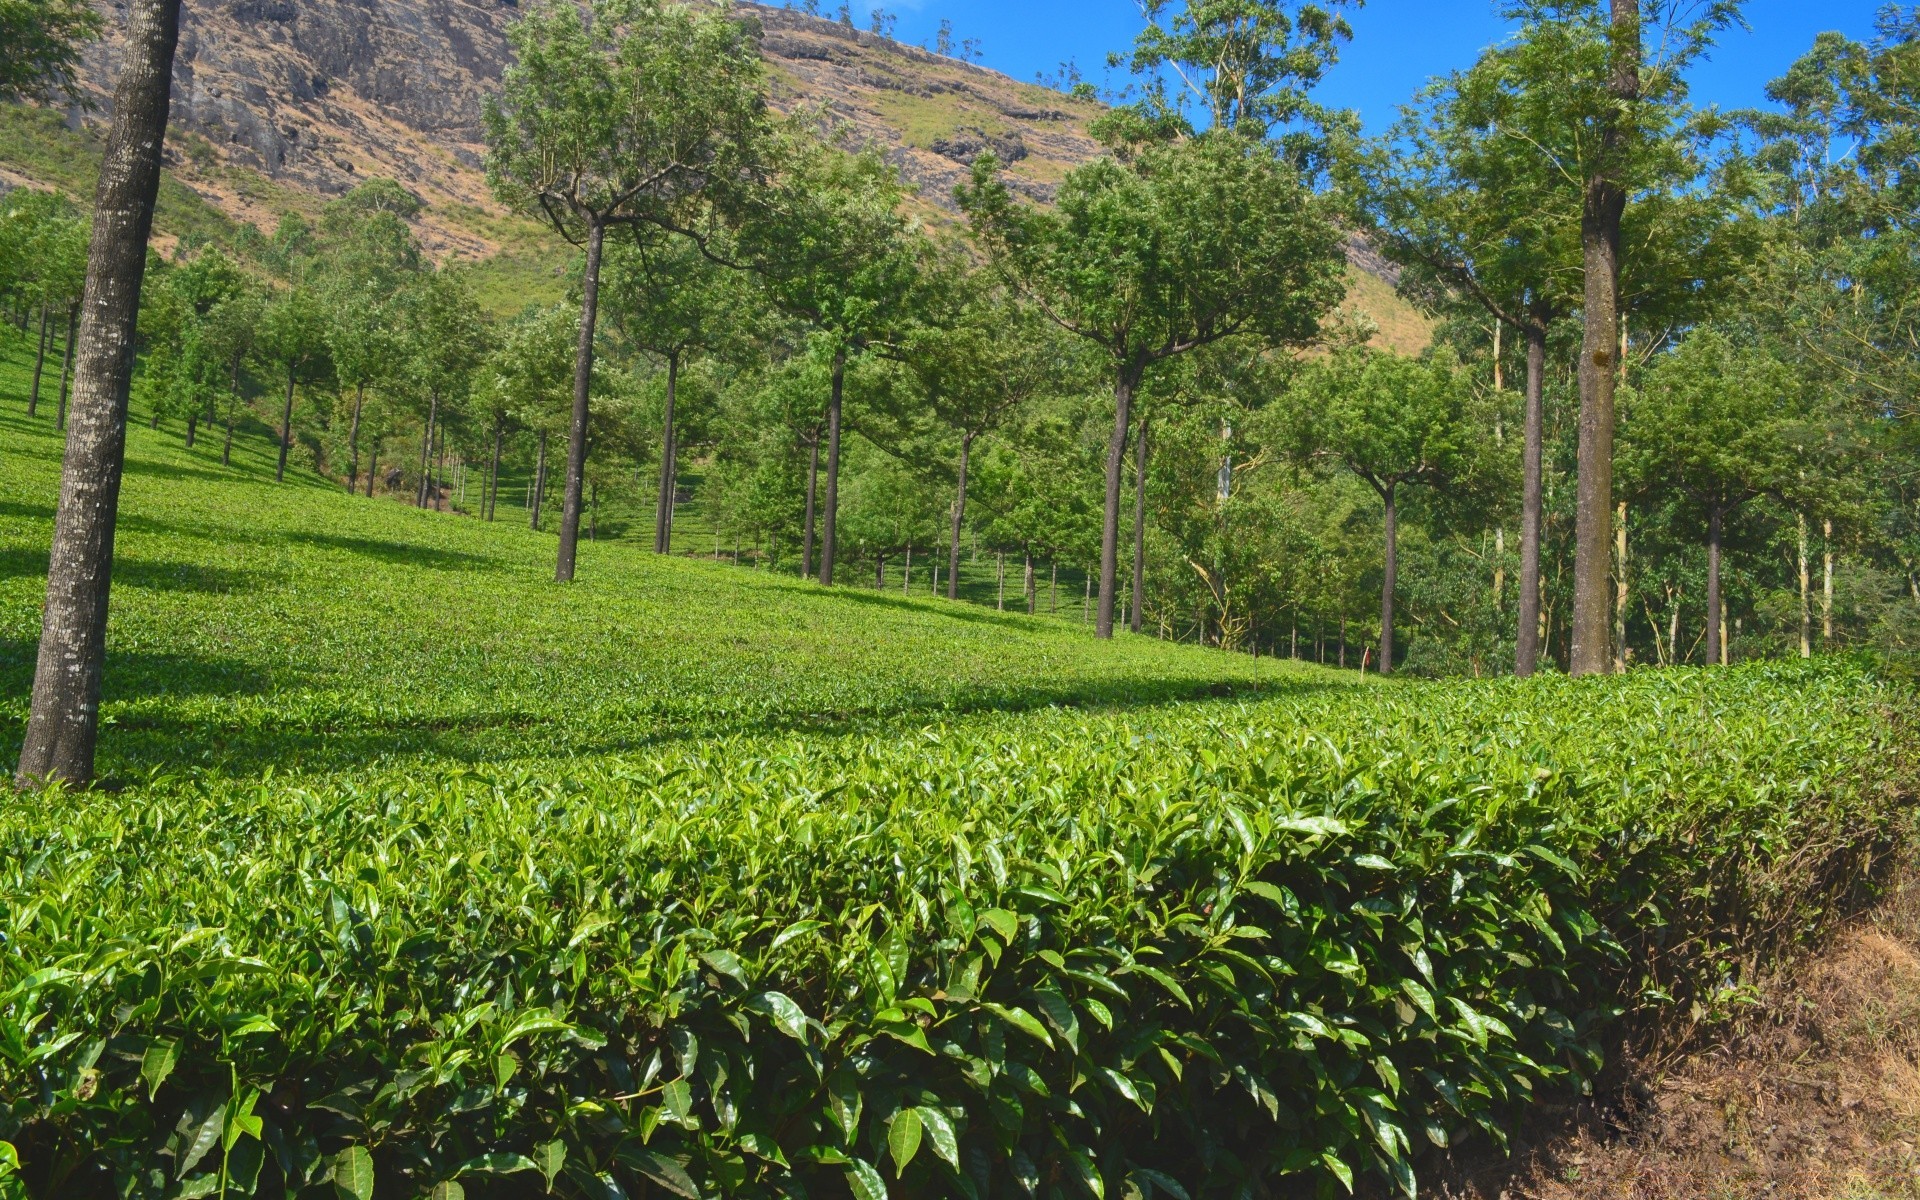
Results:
x,y
1813,1095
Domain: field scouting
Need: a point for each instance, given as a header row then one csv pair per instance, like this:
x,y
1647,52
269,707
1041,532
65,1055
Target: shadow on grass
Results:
x,y
144,574
957,610
314,735
401,554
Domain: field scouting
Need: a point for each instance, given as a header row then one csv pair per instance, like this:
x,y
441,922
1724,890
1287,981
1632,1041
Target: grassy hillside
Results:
x,y
258,625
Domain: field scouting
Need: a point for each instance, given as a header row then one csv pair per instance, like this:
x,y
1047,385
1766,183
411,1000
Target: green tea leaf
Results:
x,y
865,1182
353,1173
786,1016
161,1056
903,1138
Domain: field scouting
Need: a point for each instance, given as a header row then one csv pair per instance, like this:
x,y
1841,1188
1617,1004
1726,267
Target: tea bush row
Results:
x,y
1210,950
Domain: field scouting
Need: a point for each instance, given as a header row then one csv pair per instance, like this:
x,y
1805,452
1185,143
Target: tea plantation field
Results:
x,y
419,875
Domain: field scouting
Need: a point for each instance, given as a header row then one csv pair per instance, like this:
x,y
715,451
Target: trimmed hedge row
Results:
x,y
1211,950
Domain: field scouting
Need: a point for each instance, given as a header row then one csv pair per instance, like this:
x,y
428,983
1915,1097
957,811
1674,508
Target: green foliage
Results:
x,y
43,40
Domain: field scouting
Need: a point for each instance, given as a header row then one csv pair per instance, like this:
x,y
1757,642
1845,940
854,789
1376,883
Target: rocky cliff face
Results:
x,y
320,94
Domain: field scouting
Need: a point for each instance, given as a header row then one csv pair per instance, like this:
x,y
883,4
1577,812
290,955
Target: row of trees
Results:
x,y
1152,381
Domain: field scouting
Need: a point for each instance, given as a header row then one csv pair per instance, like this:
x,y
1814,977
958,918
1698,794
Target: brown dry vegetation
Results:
x,y
1813,1093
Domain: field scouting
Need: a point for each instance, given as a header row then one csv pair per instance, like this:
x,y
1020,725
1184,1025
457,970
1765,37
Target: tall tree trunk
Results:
x,y
539,481
493,466
1526,656
829,526
426,450
1715,520
286,428
1806,592
906,572
39,365
353,438
879,572
233,402
669,464
582,393
64,722
1604,204
1826,585
1620,589
436,485
959,517
1140,526
193,425
1110,527
813,488
1387,586
66,362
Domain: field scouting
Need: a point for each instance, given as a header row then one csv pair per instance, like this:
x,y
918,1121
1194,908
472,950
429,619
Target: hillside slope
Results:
x,y
279,106
260,625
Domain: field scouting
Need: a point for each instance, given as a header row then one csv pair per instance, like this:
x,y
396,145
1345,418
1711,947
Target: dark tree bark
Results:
x,y
669,464
353,438
1526,654
959,517
65,718
1139,527
1716,527
286,428
493,468
813,487
426,450
582,393
1387,586
830,521
1123,388
66,365
233,402
1603,206
539,479
39,364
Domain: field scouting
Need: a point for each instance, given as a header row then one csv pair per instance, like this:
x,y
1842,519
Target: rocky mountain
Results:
x,y
282,103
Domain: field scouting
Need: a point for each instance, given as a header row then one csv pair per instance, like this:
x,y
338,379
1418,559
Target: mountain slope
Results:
x,y
280,105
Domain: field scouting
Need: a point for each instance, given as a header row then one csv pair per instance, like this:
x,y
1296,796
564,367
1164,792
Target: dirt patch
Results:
x,y
1813,1094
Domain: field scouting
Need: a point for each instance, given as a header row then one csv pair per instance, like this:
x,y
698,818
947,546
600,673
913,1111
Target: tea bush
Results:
x,y
1199,951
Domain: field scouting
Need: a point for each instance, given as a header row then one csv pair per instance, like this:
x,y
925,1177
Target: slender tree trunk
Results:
x,y
906,573
829,526
1806,593
438,489
1620,589
582,394
1032,594
64,721
426,450
1000,580
959,517
669,464
233,402
353,438
493,467
1826,586
813,487
193,425
39,365
1526,658
1110,526
1715,631
879,572
373,466
286,428
66,362
1604,204
1140,526
539,480
1387,586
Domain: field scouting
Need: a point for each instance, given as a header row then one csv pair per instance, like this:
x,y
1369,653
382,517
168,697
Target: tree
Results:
x,y
1471,211
1393,422
445,342
828,239
1715,422
293,337
41,40
1182,245
668,299
1596,88
619,113
361,342
64,720
524,386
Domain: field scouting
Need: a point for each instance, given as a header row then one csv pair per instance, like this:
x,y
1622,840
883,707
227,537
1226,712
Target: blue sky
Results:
x,y
1397,46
